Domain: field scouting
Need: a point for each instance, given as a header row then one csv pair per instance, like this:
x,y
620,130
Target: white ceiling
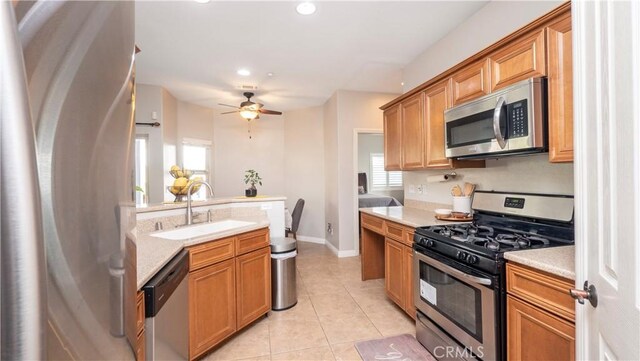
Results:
x,y
194,50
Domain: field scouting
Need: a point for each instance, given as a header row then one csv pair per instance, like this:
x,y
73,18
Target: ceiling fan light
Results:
x,y
248,114
306,8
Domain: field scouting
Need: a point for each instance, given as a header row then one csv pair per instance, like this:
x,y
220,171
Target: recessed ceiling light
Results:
x,y
306,8
402,83
243,72
202,1
269,74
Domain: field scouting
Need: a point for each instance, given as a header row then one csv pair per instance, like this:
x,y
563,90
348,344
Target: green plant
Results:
x,y
139,189
252,177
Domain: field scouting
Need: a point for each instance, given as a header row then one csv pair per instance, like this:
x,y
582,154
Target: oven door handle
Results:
x,y
496,123
453,271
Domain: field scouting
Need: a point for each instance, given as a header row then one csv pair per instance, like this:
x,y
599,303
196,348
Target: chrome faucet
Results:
x,y
189,211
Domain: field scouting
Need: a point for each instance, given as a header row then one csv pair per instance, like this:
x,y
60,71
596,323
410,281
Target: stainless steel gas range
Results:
x,y
459,275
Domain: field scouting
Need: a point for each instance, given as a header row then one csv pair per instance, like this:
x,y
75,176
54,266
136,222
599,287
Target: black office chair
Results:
x,y
295,219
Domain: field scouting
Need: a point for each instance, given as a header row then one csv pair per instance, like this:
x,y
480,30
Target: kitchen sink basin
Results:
x,y
201,229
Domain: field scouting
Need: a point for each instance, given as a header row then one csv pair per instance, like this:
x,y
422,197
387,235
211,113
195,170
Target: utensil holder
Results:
x,y
462,204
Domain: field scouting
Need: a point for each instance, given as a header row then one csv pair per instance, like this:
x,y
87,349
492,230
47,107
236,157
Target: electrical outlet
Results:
x,y
329,228
420,189
424,188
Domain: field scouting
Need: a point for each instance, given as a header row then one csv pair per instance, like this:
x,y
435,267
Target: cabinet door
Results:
x,y
533,334
471,82
409,305
437,100
394,271
392,138
253,285
212,306
560,85
412,119
523,58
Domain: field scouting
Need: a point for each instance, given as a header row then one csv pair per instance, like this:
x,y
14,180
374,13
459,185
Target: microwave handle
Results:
x,y
496,123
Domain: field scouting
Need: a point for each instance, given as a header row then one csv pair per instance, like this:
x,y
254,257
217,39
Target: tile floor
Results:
x,y
335,309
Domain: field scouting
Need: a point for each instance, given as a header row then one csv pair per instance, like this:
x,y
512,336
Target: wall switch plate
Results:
x,y
412,189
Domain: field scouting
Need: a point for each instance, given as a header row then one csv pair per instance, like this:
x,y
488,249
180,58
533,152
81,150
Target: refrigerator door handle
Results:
x,y
22,261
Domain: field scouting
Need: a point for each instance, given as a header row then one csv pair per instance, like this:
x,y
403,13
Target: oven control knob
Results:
x,y
430,243
461,255
472,259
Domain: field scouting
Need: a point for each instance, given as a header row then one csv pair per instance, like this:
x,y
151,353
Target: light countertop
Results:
x,y
412,217
213,201
559,261
153,253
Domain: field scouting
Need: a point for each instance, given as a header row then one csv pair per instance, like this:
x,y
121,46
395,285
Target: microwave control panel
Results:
x,y
518,122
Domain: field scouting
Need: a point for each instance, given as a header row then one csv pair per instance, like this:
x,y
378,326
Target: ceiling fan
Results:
x,y
250,110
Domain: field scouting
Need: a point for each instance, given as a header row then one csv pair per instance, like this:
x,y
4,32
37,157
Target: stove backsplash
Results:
x,y
531,174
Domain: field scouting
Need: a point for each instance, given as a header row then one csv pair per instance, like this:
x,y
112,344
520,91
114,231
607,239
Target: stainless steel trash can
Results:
x,y
283,273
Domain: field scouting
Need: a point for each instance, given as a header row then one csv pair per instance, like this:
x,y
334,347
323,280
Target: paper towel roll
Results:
x,y
439,178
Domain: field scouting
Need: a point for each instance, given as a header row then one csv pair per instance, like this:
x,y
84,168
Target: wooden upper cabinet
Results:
x,y
411,115
523,58
392,138
471,82
437,99
253,285
560,86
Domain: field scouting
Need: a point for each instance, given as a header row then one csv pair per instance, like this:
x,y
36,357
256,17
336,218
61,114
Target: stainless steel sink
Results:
x,y
201,229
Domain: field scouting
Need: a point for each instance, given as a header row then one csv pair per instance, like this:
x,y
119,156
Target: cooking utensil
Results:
x,y
456,191
469,188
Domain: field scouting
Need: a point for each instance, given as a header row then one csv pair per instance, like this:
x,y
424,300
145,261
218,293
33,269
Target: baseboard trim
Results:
x,y
341,254
311,239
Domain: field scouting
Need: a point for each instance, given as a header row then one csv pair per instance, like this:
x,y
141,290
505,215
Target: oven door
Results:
x,y
462,303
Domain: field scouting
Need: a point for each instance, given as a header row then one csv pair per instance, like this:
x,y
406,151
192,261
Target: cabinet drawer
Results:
x,y
548,292
251,241
210,253
373,223
394,231
408,236
139,312
524,58
140,347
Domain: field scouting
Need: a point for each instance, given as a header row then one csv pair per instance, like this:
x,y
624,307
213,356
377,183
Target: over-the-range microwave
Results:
x,y
509,121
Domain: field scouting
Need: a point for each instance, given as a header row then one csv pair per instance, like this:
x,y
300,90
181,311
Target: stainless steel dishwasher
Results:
x,y
167,311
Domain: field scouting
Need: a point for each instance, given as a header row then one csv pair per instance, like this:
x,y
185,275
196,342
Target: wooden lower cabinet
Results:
x,y
212,306
398,281
407,258
140,347
540,315
394,270
533,334
253,286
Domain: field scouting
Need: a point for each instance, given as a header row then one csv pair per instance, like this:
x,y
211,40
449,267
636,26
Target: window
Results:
x,y
142,169
195,157
381,178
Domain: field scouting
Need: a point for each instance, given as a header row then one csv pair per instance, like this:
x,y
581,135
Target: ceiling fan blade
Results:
x,y
269,112
235,111
227,105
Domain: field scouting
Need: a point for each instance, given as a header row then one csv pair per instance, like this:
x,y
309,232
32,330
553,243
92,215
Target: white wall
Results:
x,y
491,23
535,174
304,169
331,151
234,153
367,144
149,100
345,112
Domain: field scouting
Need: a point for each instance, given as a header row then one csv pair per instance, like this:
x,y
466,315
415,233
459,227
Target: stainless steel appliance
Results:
x,y
66,120
509,121
459,270
166,308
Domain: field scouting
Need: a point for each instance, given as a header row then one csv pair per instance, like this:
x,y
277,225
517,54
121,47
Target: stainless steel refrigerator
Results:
x,y
66,179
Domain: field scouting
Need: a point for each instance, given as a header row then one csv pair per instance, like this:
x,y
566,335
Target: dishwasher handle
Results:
x,y
160,288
